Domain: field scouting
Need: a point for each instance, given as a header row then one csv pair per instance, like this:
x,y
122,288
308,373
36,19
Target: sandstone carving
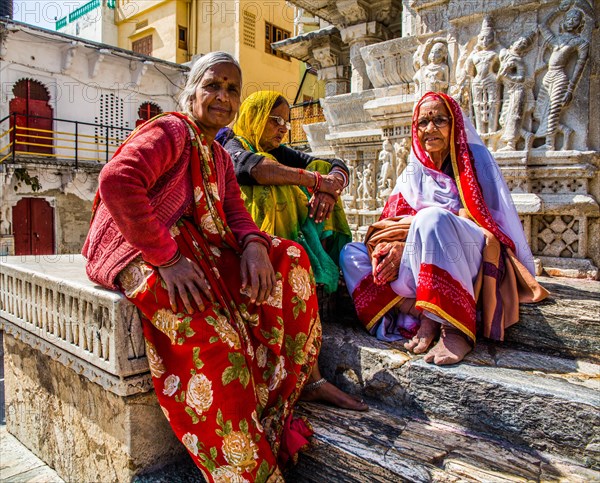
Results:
x,y
481,69
556,92
518,100
431,64
402,150
366,185
387,171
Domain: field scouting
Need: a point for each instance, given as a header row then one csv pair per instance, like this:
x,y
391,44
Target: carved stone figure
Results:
x,y
350,198
366,185
481,67
402,150
387,162
518,101
433,71
584,6
556,91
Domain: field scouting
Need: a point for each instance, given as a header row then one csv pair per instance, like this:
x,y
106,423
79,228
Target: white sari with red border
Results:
x,y
449,258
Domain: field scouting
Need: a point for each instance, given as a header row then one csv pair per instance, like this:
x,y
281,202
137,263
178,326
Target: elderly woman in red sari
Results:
x,y
448,256
229,313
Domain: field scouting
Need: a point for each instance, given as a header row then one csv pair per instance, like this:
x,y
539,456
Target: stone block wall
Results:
x,y
78,389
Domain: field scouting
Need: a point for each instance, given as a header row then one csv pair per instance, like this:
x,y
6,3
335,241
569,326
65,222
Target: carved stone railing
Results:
x,y
95,331
75,366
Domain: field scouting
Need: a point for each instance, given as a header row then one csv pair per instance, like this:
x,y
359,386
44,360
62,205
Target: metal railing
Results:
x,y
68,140
300,114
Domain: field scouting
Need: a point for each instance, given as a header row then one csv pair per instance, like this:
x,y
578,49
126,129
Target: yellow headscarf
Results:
x,y
252,119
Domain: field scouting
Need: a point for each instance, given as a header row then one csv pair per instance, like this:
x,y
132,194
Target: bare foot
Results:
x,y
427,332
452,347
336,397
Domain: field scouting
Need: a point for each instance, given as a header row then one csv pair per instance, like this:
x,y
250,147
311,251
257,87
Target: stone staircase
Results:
x,y
525,410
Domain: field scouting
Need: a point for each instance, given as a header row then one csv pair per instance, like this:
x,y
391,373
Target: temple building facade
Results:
x,y
525,73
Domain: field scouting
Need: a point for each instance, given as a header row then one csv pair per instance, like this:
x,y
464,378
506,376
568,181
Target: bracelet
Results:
x,y
318,181
172,261
256,238
342,173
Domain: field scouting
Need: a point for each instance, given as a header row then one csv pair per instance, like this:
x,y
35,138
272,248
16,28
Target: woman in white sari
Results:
x,y
448,256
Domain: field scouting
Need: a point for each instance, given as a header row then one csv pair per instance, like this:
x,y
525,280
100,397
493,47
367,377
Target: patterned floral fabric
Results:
x,y
228,378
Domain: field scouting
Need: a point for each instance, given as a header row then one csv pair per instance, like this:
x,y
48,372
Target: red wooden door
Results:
x,y
33,227
33,128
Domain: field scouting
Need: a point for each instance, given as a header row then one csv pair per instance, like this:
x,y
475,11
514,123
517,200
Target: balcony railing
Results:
x,y
84,9
301,114
67,140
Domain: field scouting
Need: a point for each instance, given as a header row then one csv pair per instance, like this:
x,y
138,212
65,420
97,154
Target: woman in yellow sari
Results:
x,y
289,193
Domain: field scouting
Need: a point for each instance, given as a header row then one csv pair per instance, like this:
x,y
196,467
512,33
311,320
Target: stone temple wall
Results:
x,y
526,73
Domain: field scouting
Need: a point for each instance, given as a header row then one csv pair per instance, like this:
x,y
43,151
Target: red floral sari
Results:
x,y
227,378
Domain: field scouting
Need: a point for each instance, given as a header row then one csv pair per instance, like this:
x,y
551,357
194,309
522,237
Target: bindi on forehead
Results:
x,y
433,108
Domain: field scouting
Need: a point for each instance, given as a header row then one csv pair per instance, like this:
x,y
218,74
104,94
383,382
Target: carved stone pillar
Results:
x,y
328,59
359,36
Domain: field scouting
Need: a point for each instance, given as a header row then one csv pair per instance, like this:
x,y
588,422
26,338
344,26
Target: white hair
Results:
x,y
197,73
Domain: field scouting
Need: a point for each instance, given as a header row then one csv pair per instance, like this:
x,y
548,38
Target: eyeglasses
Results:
x,y
281,122
438,121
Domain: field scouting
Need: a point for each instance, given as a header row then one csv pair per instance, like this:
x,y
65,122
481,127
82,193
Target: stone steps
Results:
x,y
376,446
566,324
534,399
549,403
526,410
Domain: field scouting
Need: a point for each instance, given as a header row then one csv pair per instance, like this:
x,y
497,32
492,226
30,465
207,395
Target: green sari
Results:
x,y
282,210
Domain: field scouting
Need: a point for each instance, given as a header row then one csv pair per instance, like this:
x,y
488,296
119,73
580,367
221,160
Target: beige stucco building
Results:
x,y
179,30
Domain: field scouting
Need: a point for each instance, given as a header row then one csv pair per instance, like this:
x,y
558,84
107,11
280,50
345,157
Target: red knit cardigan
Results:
x,y
144,189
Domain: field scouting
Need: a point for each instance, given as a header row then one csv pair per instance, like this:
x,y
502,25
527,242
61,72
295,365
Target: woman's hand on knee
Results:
x,y
321,206
385,261
257,272
185,278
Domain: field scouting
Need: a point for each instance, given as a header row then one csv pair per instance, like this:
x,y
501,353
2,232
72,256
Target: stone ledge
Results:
x,y
570,267
561,204
120,386
51,299
392,448
547,402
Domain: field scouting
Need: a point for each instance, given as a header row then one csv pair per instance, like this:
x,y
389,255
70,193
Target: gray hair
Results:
x,y
197,73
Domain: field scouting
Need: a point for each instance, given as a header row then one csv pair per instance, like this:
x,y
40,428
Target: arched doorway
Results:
x,y
147,111
33,227
33,130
